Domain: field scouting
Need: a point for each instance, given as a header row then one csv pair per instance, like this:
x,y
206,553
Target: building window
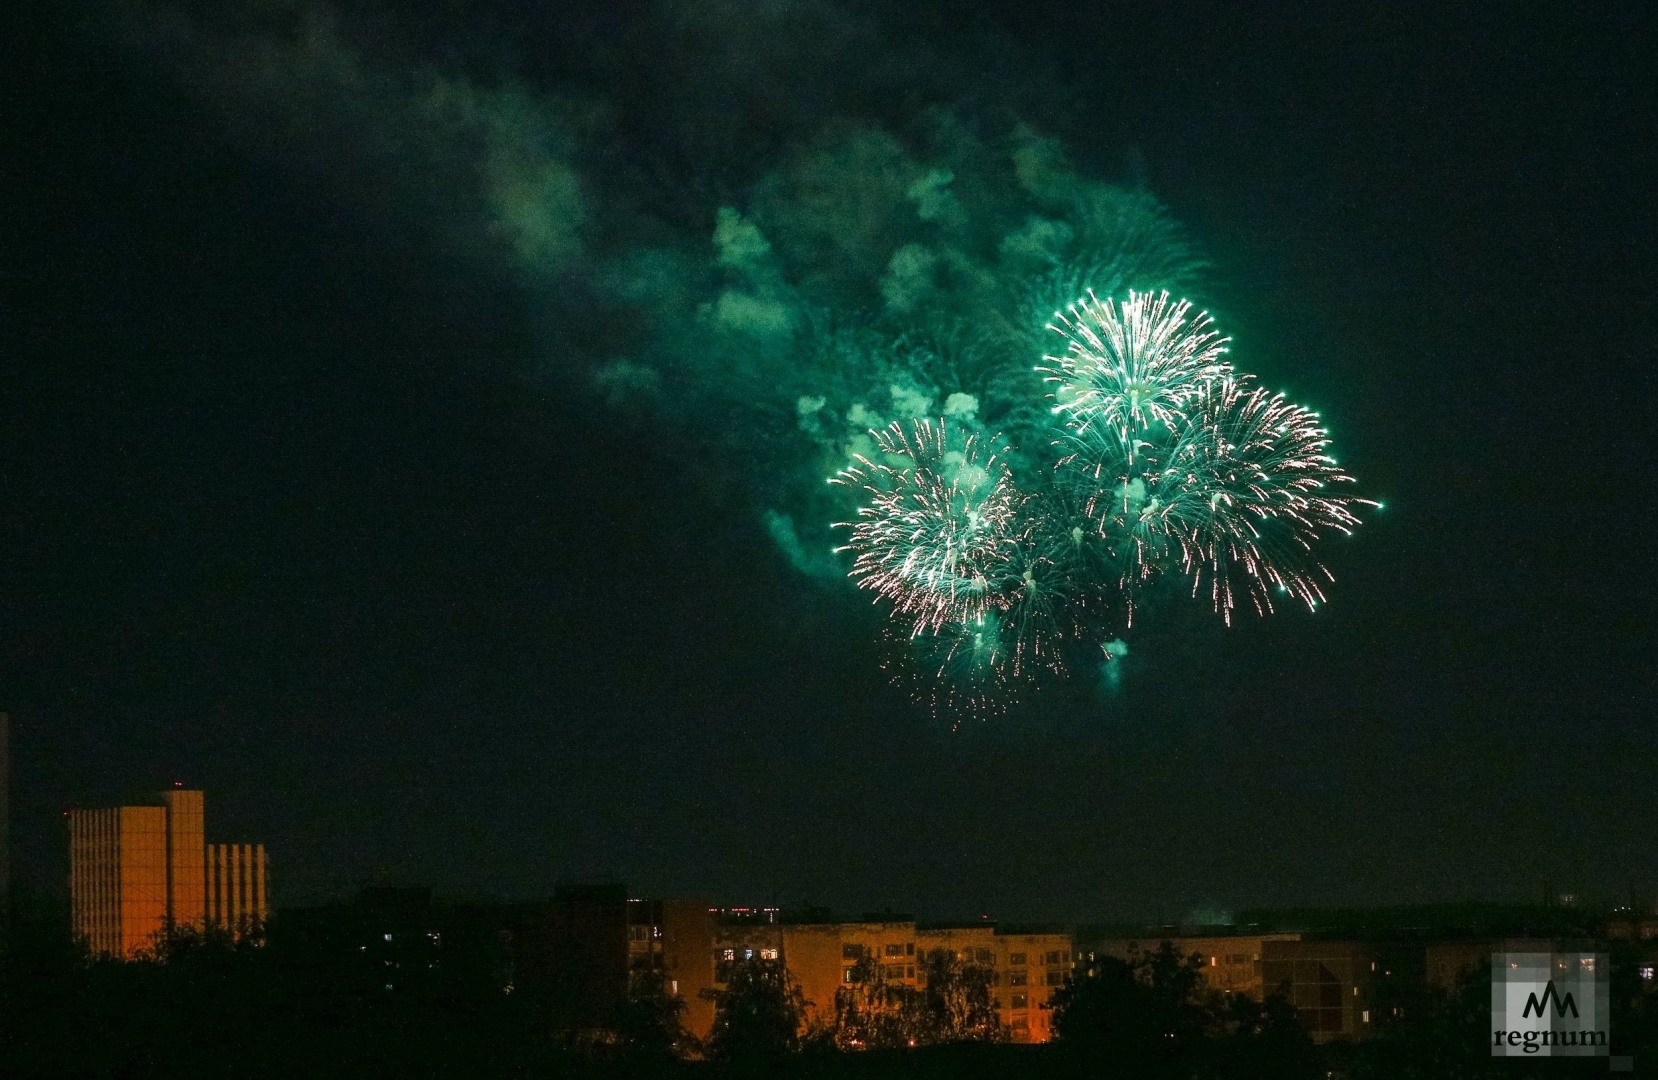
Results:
x,y
1016,978
1016,959
1646,972
1018,1001
768,954
895,949
852,952
983,956
1365,1016
1056,958
909,971
909,948
673,987
846,974
1056,978
729,954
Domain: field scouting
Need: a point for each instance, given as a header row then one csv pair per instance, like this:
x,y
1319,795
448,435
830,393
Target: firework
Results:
x,y
1055,589
1253,488
1131,364
1234,494
1168,464
937,531
959,672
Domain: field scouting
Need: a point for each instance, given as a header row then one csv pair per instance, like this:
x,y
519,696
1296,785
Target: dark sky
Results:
x,y
300,503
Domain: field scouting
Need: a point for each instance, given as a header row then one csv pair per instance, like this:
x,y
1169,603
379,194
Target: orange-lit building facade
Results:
x,y
137,871
186,857
118,878
236,898
820,958
1029,970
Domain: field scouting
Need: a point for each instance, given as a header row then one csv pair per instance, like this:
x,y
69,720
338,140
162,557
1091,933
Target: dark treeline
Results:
x,y
210,1006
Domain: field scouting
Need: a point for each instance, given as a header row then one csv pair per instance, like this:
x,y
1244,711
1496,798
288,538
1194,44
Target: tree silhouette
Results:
x,y
757,1016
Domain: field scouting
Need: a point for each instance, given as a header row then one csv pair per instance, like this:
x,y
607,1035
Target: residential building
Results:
x,y
821,957
1341,989
1231,964
674,939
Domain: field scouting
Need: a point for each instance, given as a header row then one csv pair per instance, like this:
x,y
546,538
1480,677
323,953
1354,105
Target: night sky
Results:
x,y
307,496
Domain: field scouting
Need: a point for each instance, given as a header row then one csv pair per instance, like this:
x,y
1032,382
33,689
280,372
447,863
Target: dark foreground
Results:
x,y
215,1008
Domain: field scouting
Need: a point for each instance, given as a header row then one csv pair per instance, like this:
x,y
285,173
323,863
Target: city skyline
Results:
x,y
140,873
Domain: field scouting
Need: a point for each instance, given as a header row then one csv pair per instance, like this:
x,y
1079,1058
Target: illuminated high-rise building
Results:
x,y
118,878
136,872
186,858
236,897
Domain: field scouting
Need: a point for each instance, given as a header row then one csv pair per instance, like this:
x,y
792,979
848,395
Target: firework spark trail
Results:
x,y
1056,589
1243,483
1131,364
939,525
1256,489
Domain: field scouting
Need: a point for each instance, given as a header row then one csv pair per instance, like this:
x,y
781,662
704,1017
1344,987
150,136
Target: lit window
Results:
x,y
748,954
1646,972
1366,1015
729,954
673,986
1355,991
846,975
388,938
768,954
